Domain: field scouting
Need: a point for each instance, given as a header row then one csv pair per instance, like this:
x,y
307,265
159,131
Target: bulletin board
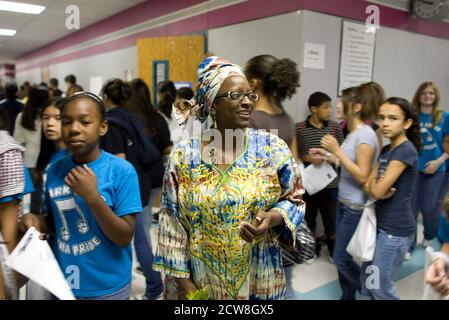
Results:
x,y
182,55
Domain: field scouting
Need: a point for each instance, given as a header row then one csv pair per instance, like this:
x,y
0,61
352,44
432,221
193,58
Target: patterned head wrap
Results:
x,y
212,72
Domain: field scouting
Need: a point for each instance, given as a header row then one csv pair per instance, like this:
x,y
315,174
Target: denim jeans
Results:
x,y
348,271
122,294
144,252
377,276
425,199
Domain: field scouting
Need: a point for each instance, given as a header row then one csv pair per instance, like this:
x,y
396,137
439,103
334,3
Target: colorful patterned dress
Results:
x,y
203,206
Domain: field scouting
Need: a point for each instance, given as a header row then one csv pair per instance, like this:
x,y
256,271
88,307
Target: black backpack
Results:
x,y
147,151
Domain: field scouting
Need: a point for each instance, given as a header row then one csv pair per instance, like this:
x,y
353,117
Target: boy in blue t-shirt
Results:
x,y
92,199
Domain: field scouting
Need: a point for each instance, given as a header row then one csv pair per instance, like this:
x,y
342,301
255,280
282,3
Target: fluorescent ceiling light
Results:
x,y
7,32
21,7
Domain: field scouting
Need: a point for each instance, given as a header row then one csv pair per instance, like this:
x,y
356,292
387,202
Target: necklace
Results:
x,y
212,151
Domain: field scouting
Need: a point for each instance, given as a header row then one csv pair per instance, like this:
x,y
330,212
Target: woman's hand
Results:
x,y
329,143
263,222
437,277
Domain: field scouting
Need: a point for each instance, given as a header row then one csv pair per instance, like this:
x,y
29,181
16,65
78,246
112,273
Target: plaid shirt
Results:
x,y
12,180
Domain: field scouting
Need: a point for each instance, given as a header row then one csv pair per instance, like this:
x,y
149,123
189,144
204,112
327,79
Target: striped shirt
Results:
x,y
309,136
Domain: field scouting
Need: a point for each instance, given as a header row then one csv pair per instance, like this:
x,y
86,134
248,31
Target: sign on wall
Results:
x,y
357,55
95,84
314,55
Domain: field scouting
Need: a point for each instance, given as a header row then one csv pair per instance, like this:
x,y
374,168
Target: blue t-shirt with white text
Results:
x,y
81,248
432,140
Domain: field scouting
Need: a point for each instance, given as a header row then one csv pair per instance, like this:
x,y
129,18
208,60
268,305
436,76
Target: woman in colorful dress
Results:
x,y
223,205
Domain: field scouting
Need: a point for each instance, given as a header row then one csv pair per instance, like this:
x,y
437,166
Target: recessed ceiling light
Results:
x,y
7,32
21,7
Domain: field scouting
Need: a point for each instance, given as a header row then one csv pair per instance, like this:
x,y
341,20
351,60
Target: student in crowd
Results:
x,y
222,206
356,156
193,127
72,86
11,105
28,132
126,136
372,95
94,217
53,90
12,184
140,104
309,134
391,182
432,160
185,93
157,129
166,96
24,92
275,80
51,129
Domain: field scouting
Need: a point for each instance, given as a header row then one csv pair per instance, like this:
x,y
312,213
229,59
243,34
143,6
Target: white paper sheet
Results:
x,y
34,259
316,177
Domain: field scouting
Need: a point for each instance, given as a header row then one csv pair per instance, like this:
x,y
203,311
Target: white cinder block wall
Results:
x,y
402,59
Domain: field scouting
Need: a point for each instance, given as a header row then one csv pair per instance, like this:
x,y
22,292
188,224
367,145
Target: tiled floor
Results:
x,y
318,281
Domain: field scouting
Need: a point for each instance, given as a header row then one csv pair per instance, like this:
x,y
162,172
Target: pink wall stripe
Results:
x,y
246,11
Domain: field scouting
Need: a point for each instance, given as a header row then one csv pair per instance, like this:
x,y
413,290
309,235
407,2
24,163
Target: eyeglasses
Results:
x,y
239,96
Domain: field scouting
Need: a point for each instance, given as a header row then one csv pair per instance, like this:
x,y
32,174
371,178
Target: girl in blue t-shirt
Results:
x,y
391,182
432,158
92,198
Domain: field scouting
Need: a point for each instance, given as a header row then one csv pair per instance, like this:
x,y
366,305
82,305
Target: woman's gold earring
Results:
x,y
212,115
